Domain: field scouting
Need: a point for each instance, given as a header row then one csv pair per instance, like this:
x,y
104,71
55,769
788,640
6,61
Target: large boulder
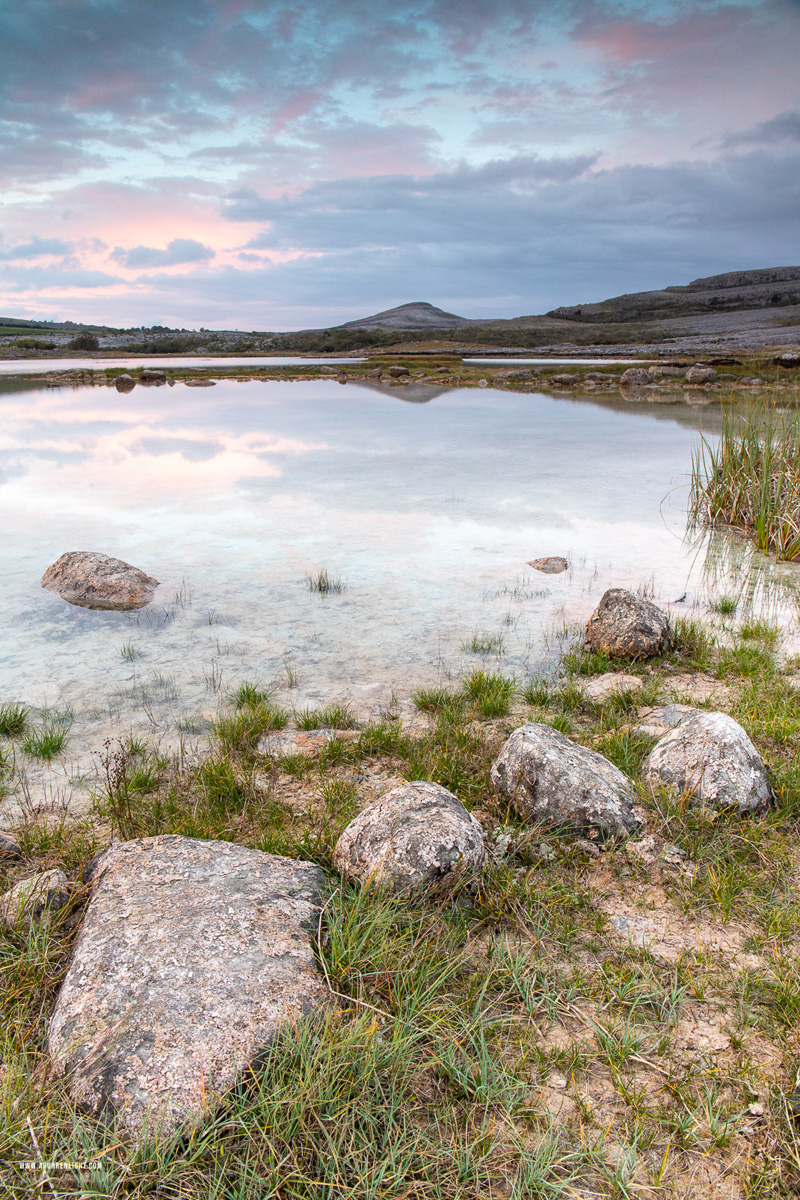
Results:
x,y
554,781
701,374
626,626
93,580
191,956
409,839
635,377
709,758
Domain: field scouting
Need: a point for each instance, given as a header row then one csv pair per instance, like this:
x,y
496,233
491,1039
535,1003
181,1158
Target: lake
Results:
x,y
426,503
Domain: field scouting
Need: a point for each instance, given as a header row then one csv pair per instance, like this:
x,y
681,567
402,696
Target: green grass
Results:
x,y
462,1020
726,605
323,583
48,740
129,652
13,719
484,643
332,716
750,480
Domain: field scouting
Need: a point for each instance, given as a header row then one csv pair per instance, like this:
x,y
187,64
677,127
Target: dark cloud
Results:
x,y
783,128
178,251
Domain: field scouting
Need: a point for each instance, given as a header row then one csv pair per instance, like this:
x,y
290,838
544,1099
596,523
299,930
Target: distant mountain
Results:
x,y
772,287
417,315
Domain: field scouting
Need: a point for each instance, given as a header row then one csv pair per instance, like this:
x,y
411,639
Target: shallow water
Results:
x,y
232,496
39,366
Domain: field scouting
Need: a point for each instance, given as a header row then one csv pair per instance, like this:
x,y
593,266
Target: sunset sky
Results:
x,y
257,165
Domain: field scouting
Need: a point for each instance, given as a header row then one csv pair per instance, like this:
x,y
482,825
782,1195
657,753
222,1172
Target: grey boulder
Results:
x,y
554,781
413,836
92,580
635,377
709,758
192,955
626,626
701,374
124,383
34,900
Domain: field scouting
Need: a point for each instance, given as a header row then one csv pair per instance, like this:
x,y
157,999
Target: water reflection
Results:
x,y
230,496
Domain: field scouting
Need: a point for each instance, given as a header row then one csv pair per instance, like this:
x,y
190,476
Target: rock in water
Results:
x,y
635,377
191,956
709,758
553,564
625,626
413,836
124,383
701,374
552,780
93,580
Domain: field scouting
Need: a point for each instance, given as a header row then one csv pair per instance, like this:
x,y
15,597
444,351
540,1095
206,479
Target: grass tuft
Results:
x,y
323,583
13,719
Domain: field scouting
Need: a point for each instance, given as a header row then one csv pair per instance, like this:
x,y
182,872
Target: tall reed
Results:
x,y
751,479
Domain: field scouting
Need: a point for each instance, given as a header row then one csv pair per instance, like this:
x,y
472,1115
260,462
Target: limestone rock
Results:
x,y
701,374
613,683
124,383
553,780
298,741
635,377
522,375
553,564
93,580
657,720
414,835
9,846
564,379
789,358
191,956
152,375
35,898
398,372
200,382
662,371
709,758
625,626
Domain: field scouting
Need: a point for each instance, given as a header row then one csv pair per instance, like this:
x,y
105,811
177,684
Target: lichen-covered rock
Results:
x,y
701,374
553,564
635,377
191,956
626,626
709,758
554,781
410,838
34,899
92,580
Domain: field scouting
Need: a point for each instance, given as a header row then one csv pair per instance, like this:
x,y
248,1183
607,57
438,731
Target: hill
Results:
x,y
416,315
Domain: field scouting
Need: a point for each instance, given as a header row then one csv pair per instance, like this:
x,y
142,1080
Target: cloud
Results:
x,y
783,128
36,248
178,251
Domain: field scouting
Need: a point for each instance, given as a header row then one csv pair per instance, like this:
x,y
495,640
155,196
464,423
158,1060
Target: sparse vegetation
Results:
x,y
13,719
505,1038
323,583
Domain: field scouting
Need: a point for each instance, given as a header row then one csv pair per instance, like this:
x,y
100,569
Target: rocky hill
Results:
x,y
416,315
772,287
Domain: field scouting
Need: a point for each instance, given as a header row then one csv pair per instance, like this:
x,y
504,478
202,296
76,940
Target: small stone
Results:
x,y
709,759
700,373
552,780
398,372
409,839
661,371
626,626
564,379
635,377
9,846
551,565
602,687
200,382
34,899
151,375
124,383
92,580
789,358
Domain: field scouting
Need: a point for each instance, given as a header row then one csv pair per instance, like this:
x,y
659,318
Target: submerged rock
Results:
x,y
92,580
34,899
191,956
554,781
200,382
413,836
625,626
553,564
709,758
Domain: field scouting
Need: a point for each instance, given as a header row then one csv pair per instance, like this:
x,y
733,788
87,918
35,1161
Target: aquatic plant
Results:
x,y
483,643
13,719
751,479
324,583
129,652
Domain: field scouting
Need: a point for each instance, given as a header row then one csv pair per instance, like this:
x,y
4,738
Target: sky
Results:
x,y
248,164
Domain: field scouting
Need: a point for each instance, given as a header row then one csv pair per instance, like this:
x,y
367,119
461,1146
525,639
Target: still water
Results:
x,y
41,366
425,503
